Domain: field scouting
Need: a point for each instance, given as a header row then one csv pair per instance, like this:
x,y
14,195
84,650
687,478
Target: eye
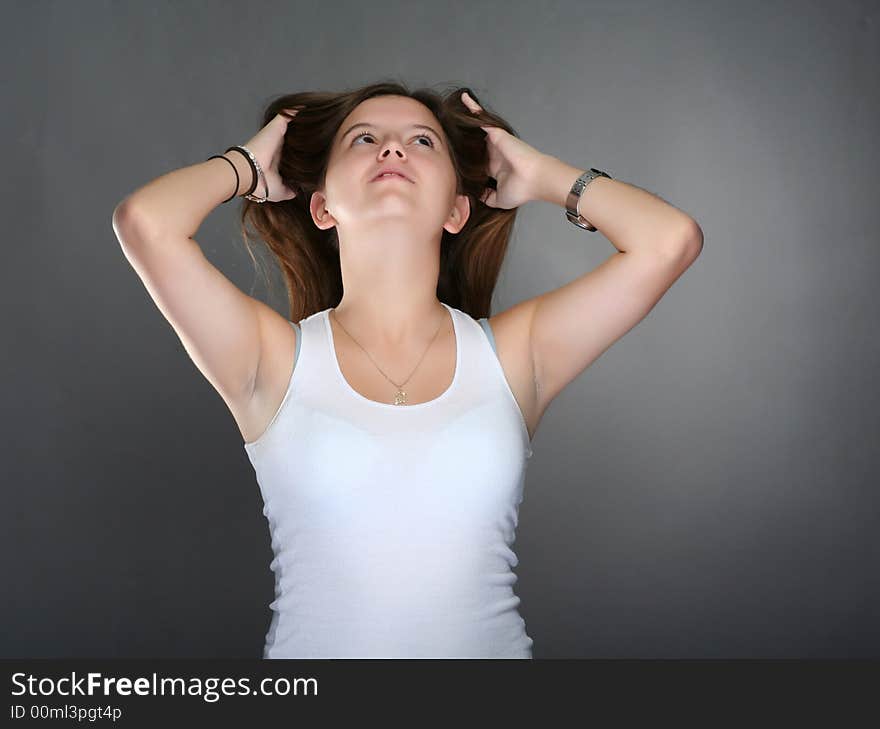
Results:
x,y
368,134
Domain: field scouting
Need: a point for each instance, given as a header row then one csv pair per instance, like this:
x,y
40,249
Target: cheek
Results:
x,y
442,170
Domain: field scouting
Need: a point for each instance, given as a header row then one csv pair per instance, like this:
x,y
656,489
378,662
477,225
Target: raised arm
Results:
x,y
223,330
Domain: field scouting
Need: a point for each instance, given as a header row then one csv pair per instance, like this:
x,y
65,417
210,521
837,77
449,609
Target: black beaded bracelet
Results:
x,y
250,162
237,178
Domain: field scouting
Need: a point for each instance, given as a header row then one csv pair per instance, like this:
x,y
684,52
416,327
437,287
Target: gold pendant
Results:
x,y
400,398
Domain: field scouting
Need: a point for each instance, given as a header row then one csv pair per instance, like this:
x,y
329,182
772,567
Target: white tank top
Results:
x,y
392,525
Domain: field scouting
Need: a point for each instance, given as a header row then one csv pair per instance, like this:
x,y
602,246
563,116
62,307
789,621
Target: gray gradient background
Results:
x,y
708,488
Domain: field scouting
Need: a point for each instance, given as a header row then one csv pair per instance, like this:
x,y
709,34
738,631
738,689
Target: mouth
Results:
x,y
390,175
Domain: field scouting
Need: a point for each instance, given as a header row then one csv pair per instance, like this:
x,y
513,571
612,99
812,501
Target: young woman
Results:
x,y
390,420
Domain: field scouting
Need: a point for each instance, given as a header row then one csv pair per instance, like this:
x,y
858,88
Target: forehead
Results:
x,y
390,112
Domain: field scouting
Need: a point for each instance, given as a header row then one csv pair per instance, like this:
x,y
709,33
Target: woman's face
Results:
x,y
390,131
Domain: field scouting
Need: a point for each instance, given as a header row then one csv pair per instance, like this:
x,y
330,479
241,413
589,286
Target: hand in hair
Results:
x,y
266,147
513,163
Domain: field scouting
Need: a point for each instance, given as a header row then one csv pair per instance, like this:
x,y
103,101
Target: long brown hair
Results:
x,y
308,257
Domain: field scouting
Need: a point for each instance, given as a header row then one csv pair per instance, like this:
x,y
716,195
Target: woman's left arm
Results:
x,y
566,329
628,216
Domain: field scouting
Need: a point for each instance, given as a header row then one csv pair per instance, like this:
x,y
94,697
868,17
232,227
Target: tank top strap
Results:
x,y
298,331
312,358
484,322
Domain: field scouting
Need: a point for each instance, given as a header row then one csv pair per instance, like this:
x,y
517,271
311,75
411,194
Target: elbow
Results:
x,y
128,224
121,222
690,240
684,247
123,226
124,214
697,235
119,216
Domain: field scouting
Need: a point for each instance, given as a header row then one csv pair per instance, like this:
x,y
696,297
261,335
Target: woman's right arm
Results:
x,y
219,325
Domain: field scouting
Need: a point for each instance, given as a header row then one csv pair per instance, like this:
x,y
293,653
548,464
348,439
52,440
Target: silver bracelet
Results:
x,y
574,196
256,166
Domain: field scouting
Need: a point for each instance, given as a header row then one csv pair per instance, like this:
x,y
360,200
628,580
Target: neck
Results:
x,y
389,321
389,279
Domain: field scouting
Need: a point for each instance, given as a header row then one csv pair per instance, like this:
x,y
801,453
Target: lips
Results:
x,y
394,170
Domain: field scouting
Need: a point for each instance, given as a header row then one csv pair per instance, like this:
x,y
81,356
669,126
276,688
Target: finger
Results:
x,y
491,133
469,102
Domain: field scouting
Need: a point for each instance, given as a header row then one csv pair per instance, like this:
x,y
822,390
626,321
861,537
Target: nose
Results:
x,y
389,146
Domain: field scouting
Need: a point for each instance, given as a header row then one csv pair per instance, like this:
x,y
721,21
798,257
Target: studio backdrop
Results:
x,y
706,488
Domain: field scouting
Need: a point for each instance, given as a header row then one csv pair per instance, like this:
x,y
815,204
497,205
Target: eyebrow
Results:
x,y
411,126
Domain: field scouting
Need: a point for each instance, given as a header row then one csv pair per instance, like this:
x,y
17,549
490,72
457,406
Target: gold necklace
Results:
x,y
400,395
